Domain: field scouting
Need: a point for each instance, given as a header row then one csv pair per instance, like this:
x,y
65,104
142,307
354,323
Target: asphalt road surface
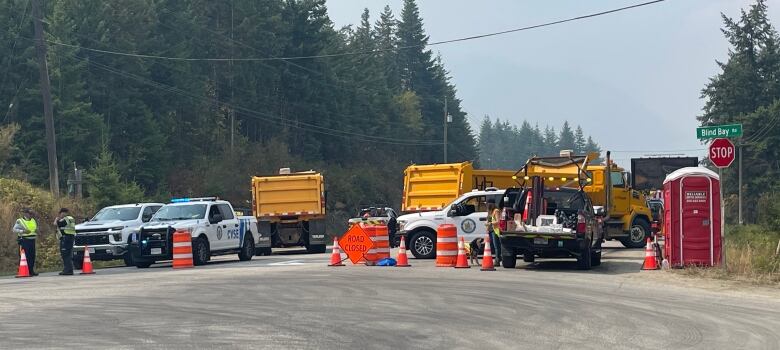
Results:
x,y
294,301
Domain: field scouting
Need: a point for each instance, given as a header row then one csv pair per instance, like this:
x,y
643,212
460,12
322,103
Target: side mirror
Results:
x,y
452,213
598,211
146,217
217,218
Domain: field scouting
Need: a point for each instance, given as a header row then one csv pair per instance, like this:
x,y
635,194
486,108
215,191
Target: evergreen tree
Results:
x,y
566,140
105,184
580,143
550,141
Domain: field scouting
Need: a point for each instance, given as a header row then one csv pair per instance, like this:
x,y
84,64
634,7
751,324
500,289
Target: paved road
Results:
x,y
294,301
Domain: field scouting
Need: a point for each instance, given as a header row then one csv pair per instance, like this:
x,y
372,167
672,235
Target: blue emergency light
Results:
x,y
179,200
187,199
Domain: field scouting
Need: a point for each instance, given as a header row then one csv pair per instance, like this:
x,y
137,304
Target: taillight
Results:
x,y
503,220
580,223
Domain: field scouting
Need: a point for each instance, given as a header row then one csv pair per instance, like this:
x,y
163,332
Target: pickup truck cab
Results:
x,y
107,234
213,225
468,213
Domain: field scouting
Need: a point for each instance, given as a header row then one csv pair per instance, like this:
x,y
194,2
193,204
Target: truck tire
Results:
x,y
247,249
529,258
640,230
200,251
584,260
508,257
128,259
423,245
315,248
143,264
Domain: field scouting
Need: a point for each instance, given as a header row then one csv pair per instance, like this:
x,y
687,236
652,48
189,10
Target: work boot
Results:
x,y
66,273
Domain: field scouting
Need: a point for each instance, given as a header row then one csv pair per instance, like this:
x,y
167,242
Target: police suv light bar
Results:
x,y
200,199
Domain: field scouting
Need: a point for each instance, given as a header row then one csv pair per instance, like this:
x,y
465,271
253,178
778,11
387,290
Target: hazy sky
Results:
x,y
631,79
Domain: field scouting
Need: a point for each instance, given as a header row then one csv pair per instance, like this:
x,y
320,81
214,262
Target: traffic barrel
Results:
x,y
382,242
446,245
182,250
24,270
371,256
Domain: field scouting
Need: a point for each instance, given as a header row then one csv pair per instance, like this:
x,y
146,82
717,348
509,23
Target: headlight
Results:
x,y
401,225
120,228
117,237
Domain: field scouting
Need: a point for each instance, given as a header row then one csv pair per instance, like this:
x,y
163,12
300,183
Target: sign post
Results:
x,y
722,154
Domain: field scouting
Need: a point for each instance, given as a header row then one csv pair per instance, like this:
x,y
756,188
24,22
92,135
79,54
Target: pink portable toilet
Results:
x,y
692,217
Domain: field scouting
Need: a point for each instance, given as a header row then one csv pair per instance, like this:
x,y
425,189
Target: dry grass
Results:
x,y
750,257
15,195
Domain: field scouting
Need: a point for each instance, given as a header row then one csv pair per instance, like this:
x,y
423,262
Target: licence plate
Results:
x,y
540,241
91,250
156,251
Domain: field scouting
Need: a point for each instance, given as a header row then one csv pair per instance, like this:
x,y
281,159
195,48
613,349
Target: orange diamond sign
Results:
x,y
355,243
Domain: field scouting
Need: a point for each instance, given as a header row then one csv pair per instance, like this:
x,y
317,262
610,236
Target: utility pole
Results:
x,y
446,116
232,94
48,114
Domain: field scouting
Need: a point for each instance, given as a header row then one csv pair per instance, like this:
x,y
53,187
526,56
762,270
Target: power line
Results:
x,y
366,52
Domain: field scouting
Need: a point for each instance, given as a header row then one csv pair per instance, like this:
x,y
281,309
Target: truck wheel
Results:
x,y
529,258
248,249
508,257
128,258
143,264
584,260
200,252
315,248
423,245
640,229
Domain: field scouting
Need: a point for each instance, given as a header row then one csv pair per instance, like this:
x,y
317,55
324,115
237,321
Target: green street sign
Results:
x,y
719,131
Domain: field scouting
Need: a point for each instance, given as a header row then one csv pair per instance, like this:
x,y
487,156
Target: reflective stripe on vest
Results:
x,y
70,226
31,226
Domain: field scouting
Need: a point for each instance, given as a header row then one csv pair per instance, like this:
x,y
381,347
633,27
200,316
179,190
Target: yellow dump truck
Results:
x,y
432,187
291,208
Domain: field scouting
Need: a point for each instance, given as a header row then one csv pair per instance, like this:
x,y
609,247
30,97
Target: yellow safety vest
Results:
x,y
492,225
70,226
31,226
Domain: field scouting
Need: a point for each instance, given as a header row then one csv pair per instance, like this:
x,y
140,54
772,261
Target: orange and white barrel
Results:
x,y
446,245
182,250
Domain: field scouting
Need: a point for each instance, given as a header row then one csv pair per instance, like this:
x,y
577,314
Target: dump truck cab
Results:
x,y
628,216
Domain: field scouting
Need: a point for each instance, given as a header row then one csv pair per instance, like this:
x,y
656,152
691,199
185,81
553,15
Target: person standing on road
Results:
x,y
66,225
26,229
494,231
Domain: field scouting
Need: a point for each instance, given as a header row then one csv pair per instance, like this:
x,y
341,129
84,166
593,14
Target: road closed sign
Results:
x,y
722,153
355,243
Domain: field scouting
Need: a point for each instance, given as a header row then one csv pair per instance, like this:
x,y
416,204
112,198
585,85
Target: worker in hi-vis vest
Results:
x,y
26,230
66,225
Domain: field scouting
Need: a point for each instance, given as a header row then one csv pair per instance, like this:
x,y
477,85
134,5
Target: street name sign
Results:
x,y
719,131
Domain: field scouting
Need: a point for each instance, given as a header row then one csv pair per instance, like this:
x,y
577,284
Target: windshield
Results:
x,y
564,199
121,214
180,212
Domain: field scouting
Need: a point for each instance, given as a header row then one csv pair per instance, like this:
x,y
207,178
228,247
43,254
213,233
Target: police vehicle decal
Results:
x,y
468,226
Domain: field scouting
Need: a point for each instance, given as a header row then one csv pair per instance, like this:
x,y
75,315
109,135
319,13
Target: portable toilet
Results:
x,y
692,217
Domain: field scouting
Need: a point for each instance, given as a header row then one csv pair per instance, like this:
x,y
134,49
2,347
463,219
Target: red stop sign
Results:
x,y
722,153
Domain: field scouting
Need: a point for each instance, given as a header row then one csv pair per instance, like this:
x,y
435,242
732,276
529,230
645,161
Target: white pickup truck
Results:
x,y
213,225
468,213
108,232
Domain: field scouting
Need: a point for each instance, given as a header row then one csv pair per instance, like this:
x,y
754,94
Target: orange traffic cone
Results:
x,y
86,268
403,260
487,256
335,258
463,261
24,271
650,262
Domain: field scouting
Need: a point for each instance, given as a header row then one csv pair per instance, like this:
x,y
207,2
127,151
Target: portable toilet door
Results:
x,y
692,217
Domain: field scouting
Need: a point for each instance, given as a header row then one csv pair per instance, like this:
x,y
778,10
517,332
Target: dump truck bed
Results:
x,y
432,187
297,195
